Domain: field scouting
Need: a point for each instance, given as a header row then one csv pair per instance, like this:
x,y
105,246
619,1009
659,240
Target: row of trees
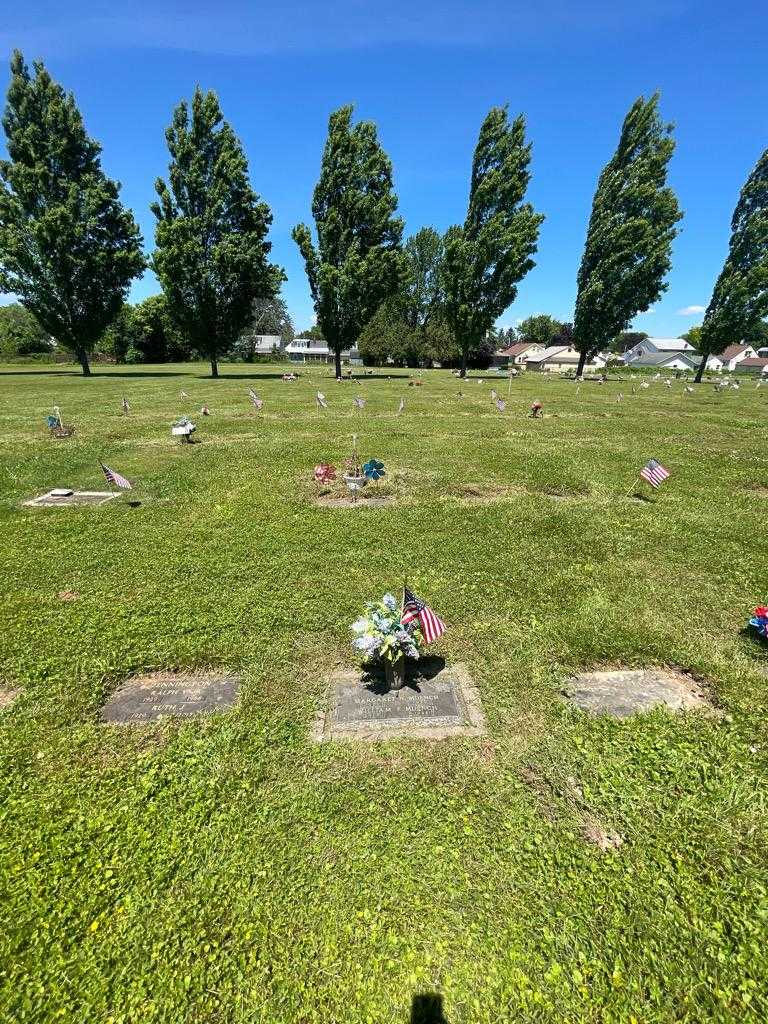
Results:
x,y
69,249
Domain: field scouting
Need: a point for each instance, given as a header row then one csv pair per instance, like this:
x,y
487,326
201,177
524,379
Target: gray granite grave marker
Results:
x,y
147,698
440,703
628,692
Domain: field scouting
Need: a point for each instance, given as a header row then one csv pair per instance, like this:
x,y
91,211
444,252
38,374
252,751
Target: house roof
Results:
x,y
732,351
517,349
668,344
753,363
661,358
543,357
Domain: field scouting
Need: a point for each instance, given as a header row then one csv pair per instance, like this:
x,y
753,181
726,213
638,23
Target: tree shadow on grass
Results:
x,y
94,374
427,1008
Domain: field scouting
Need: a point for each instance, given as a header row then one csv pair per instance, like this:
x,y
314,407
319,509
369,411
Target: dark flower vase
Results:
x,y
394,673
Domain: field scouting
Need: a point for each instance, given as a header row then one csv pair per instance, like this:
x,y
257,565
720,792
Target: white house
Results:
x,y
734,355
562,359
671,361
309,350
266,344
517,355
652,347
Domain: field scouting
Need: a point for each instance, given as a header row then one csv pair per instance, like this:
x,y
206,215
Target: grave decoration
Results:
x,y
383,639
205,411
401,406
183,428
759,622
374,469
56,427
354,478
126,406
390,634
325,473
536,410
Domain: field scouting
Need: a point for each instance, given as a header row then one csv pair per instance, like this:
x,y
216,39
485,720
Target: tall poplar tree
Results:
x,y
211,232
68,248
358,261
491,253
740,298
631,229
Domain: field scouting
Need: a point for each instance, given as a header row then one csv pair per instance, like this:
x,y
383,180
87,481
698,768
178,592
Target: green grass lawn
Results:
x,y
228,870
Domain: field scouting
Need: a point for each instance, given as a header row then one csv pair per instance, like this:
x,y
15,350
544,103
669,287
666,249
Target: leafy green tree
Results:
x,y
541,329
268,316
740,298
358,262
313,333
120,336
68,248
158,339
211,232
626,340
631,229
422,294
20,333
488,256
693,336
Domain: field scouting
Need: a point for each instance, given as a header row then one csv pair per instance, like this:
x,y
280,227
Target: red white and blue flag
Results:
x,y
654,473
321,402
414,609
115,478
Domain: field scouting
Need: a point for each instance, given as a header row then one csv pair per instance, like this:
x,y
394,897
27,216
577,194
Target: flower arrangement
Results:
x,y
325,473
759,621
379,633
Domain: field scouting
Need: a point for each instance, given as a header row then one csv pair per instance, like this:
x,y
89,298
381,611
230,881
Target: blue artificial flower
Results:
x,y
360,626
390,601
374,469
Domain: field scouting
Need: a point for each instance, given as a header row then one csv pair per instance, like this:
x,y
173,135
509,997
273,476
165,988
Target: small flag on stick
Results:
x,y
654,473
116,478
359,403
126,406
321,402
500,404
257,402
401,406
184,394
414,609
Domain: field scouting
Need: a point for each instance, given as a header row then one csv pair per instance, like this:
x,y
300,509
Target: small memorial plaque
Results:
x,y
63,497
628,692
432,705
148,698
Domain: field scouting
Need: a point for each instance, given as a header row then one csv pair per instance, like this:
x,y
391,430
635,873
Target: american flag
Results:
x,y
256,401
184,394
359,403
654,473
115,478
432,626
126,407
401,406
321,402
500,404
493,394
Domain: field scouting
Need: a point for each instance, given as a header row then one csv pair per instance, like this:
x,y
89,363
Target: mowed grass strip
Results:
x,y
228,870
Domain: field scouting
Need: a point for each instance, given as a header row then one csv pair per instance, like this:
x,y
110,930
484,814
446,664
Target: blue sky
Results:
x,y
427,73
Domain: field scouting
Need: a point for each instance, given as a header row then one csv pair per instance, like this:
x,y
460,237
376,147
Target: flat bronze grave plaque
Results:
x,y
53,500
148,698
436,703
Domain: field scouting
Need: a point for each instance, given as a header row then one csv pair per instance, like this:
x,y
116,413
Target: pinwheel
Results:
x,y
374,469
759,622
325,473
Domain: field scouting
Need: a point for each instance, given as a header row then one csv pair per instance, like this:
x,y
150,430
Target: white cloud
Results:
x,y
690,310
646,312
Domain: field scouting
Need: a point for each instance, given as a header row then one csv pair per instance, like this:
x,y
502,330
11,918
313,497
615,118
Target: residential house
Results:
x,y
754,365
671,361
516,355
652,347
266,344
310,350
562,359
734,355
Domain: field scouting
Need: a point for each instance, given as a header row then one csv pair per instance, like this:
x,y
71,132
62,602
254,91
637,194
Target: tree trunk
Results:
x,y
82,357
700,371
582,361
463,372
337,361
214,366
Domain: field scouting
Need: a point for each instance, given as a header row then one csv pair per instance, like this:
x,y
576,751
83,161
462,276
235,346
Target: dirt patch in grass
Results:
x,y
761,490
7,697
